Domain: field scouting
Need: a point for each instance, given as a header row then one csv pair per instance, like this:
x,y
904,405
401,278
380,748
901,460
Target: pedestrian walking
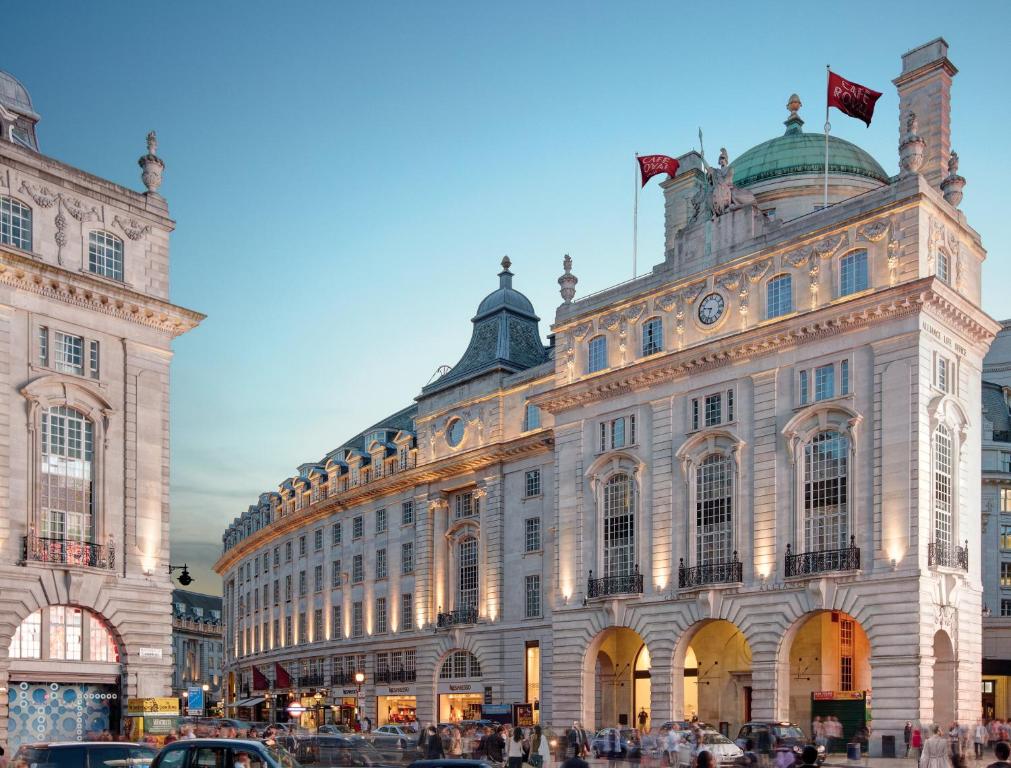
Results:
x,y
936,751
515,749
917,743
433,746
1002,751
979,738
907,735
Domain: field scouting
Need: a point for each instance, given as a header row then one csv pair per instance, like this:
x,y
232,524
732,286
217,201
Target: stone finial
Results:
x,y
794,104
953,184
151,165
505,277
794,122
567,281
912,146
506,263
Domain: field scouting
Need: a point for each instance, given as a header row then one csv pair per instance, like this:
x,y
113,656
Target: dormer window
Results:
x,y
21,136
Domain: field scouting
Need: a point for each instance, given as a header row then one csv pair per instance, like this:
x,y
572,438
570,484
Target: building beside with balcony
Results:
x,y
996,526
197,644
86,330
752,492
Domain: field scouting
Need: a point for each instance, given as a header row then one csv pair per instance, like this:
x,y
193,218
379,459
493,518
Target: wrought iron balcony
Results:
x,y
624,584
726,572
396,676
825,561
312,679
948,555
457,617
37,549
343,678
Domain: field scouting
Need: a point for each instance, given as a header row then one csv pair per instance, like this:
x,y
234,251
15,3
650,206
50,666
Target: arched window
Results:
x,y
64,633
826,492
596,354
944,534
15,224
619,525
853,272
67,475
652,336
105,255
460,664
779,296
467,585
714,525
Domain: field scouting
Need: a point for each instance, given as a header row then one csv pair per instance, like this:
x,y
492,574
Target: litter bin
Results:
x,y
887,745
853,751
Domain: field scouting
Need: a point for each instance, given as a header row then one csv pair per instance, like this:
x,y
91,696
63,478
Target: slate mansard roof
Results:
x,y
995,408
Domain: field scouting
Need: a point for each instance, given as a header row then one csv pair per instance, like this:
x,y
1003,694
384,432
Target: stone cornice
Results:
x,y
81,290
433,472
890,303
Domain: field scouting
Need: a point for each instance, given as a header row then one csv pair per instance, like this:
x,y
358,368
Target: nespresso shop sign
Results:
x,y
448,687
395,690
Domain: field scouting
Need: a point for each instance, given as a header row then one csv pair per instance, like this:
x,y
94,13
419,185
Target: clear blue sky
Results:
x,y
347,176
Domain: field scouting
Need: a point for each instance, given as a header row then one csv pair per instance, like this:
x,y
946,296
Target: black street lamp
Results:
x,y
184,578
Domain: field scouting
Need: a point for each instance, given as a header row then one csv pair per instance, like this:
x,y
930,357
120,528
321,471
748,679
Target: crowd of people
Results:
x,y
498,744
936,747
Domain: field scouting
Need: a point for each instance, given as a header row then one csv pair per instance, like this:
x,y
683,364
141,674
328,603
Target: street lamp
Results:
x,y
184,578
359,679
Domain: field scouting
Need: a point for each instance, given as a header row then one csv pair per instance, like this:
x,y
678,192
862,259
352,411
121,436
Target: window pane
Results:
x,y
67,475
943,529
826,503
619,526
15,224
824,382
467,558
652,336
853,273
105,255
597,354
779,296
714,510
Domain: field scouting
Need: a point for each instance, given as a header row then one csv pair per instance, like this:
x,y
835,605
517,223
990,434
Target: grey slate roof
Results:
x,y
995,409
195,600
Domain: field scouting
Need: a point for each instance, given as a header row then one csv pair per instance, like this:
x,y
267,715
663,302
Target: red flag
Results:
x,y
281,677
260,682
850,98
651,165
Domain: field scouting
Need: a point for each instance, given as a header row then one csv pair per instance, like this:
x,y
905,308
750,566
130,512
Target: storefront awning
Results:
x,y
252,702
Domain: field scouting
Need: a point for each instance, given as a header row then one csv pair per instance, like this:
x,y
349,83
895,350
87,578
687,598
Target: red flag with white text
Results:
x,y
651,165
851,98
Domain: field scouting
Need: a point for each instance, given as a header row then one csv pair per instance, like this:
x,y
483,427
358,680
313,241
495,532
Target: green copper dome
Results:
x,y
796,152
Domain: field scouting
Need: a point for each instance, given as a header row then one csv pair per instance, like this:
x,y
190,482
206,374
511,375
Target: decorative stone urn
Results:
x,y
567,281
912,146
953,184
151,165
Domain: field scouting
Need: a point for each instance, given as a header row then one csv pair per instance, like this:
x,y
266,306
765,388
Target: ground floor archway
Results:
x,y
716,659
617,672
944,679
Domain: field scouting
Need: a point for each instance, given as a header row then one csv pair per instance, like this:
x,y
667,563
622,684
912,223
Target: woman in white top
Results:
x,y
514,750
539,746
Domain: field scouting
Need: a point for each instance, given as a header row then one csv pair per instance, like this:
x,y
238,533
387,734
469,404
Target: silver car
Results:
x,y
723,750
393,736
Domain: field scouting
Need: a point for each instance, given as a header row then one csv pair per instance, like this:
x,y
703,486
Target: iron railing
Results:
x,y
726,572
624,584
827,560
38,549
343,678
396,676
459,616
312,679
948,555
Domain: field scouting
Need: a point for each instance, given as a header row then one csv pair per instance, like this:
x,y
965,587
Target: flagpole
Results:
x,y
828,127
635,216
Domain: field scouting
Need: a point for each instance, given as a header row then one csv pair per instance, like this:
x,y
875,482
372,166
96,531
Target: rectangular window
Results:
x,y
406,612
93,369
730,405
277,556
287,588
533,671
652,336
853,276
380,564
317,625
941,374
44,346
288,637
317,539
301,546
380,622
803,388
714,409
287,551
1004,461
1005,538
380,521
1005,499
335,534
532,485
357,527
336,628
779,296
302,586
824,382
303,629
407,513
533,596
335,574
1005,607
277,592
69,353
407,557
466,505
532,538
618,433
533,417
1005,574
695,414
596,357
317,578
357,619
357,570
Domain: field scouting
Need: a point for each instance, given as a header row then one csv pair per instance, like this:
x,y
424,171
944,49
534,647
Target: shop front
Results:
x,y
460,701
396,704
344,707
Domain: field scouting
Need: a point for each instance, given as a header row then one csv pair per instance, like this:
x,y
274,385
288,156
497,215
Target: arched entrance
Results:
x,y
617,672
944,679
716,659
830,671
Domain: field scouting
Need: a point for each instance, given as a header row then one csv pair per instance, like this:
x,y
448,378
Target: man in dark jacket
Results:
x,y
496,745
433,748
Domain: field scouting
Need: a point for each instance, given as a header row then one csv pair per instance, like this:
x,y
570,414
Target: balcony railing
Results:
x,y
726,572
825,561
396,676
948,555
312,680
37,549
343,678
459,616
625,584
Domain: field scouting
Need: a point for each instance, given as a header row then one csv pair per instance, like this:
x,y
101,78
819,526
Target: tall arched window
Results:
x,y
714,525
467,577
15,224
105,255
67,475
596,354
944,533
826,492
619,525
64,633
853,272
779,296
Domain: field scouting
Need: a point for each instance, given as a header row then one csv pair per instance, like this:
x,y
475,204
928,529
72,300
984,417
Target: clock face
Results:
x,y
711,308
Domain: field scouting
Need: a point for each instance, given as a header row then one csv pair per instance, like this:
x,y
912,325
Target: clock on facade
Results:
x,y
711,308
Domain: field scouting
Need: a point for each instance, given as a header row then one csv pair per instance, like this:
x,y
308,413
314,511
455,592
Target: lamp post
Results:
x,y
359,679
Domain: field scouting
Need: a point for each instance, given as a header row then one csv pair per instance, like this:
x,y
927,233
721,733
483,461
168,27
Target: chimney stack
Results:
x,y
925,88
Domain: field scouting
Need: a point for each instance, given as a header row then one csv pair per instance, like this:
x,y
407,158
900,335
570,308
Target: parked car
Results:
x,y
222,753
626,739
334,729
724,751
393,736
784,733
85,754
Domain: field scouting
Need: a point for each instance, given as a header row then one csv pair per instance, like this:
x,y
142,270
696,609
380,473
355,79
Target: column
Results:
x,y
770,686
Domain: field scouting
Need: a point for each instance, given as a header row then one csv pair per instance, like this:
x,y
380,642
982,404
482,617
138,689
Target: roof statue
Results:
x,y
151,165
567,281
723,194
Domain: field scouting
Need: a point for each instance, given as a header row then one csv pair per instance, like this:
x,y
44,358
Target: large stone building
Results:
x,y
997,527
86,328
197,646
740,486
